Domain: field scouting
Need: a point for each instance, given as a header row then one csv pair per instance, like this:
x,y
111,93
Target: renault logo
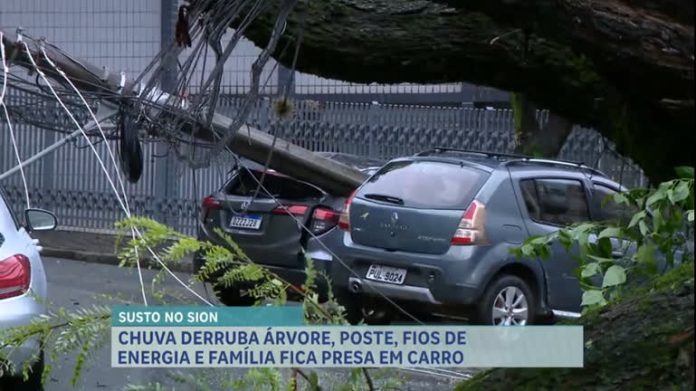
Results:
x,y
394,218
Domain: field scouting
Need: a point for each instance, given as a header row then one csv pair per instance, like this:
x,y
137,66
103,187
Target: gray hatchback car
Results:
x,y
433,233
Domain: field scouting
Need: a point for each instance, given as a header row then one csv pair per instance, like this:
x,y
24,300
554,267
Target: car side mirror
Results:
x,y
40,220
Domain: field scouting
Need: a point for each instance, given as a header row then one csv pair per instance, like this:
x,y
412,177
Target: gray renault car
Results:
x,y
279,227
433,232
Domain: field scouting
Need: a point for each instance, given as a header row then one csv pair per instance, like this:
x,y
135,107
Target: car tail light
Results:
x,y
209,203
323,219
295,210
344,219
471,227
15,276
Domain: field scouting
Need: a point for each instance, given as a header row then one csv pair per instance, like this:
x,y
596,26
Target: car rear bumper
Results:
x,y
452,279
427,289
17,312
399,292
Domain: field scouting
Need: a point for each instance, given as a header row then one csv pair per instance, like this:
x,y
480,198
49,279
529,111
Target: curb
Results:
x,y
110,259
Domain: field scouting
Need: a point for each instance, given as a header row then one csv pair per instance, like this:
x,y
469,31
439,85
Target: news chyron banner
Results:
x,y
210,337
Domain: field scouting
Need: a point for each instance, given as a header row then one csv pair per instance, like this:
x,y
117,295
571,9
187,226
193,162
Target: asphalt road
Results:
x,y
74,284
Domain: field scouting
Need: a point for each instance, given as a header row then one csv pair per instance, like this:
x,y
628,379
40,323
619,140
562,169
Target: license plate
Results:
x,y
388,274
246,222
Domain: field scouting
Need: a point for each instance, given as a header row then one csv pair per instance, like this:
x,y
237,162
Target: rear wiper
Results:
x,y
385,198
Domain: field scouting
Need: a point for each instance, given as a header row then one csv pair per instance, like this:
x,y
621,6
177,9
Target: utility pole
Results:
x,y
248,142
165,177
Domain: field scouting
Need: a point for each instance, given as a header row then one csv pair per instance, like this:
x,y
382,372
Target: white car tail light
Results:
x,y
15,276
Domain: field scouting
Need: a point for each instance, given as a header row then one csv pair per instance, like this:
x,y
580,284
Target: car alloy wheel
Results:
x,y
510,307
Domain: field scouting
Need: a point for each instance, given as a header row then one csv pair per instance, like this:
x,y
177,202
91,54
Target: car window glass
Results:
x,y
426,184
609,210
531,199
555,201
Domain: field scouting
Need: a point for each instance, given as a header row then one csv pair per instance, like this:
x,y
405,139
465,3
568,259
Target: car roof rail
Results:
x,y
511,159
495,155
557,163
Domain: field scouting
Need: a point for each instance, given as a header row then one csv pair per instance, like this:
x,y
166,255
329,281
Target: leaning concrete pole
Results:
x,y
248,142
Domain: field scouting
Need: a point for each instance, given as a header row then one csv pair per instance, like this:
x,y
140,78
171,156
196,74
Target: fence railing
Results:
x,y
71,183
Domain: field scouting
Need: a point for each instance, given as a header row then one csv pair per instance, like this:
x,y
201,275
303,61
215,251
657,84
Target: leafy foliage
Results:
x,y
61,332
651,241
642,341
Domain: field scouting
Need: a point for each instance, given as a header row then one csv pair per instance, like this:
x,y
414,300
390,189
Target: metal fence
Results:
x,y
71,182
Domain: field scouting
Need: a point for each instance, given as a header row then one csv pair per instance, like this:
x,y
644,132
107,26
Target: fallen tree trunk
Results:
x,y
627,87
644,341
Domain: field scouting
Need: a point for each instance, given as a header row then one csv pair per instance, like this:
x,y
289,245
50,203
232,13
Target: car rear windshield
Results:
x,y
425,184
280,187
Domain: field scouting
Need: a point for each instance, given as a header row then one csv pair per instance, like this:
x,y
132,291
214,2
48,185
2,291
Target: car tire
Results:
x,y
508,300
33,383
232,297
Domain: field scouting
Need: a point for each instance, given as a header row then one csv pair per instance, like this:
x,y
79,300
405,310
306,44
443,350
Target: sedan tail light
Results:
x,y
209,203
15,276
295,210
323,219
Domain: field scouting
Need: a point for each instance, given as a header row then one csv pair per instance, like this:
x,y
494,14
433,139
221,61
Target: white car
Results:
x,y
22,289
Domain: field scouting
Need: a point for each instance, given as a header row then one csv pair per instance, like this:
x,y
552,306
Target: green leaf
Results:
x,y
646,254
527,250
680,192
313,381
685,172
659,195
600,259
593,297
611,232
605,247
615,275
619,198
690,216
643,227
638,217
590,270
565,238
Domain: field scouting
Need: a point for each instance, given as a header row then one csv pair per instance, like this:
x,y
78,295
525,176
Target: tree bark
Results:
x,y
625,69
636,43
